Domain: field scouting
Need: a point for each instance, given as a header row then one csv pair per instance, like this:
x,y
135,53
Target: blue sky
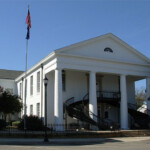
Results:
x,y
58,23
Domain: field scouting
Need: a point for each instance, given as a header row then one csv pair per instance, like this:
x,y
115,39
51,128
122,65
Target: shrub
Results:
x,y
15,123
32,123
2,124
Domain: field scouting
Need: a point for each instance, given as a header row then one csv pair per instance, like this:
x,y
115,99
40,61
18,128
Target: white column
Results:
x,y
92,95
123,103
58,102
148,93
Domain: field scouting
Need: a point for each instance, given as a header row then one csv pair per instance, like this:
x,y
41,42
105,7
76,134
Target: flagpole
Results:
x,y
28,22
25,93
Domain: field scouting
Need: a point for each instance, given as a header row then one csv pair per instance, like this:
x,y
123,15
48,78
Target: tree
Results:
x,y
140,96
9,104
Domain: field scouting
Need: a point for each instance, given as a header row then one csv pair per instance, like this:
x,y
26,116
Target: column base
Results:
x,y
94,128
125,128
59,128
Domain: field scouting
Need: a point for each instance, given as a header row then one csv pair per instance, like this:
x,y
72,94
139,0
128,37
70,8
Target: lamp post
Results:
x,y
45,84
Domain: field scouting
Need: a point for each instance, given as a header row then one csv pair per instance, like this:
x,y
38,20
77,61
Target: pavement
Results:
x,y
69,141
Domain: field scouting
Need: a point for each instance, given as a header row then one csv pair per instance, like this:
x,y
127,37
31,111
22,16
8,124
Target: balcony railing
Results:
x,y
105,95
110,95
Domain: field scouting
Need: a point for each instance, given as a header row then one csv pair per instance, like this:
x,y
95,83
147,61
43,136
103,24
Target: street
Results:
x,y
132,143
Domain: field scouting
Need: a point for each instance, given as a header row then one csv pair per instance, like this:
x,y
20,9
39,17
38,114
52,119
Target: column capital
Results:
x,y
58,69
123,75
94,72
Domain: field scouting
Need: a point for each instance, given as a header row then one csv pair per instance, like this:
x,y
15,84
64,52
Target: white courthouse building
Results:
x,y
97,73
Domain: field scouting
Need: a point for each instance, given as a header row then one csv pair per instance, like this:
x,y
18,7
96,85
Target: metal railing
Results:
x,y
134,107
69,101
105,95
93,119
52,130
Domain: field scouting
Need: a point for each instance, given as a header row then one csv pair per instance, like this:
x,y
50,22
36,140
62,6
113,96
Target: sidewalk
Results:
x,y
59,141
71,141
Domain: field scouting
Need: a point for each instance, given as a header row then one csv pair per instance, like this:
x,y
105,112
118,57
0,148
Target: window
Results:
x,y
20,90
38,81
63,80
31,109
26,86
38,109
31,85
107,49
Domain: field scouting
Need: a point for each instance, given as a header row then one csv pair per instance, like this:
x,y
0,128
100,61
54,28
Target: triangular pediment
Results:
x,y
107,47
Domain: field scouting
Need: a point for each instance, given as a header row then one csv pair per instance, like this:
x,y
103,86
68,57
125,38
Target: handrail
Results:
x,y
106,94
98,120
134,105
69,101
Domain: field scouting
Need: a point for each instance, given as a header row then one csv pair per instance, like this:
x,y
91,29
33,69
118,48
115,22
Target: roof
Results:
x,y
102,37
9,74
63,49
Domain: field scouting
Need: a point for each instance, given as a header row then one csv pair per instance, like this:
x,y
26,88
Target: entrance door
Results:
x,y
103,110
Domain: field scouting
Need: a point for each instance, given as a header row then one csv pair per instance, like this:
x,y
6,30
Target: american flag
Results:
x,y
28,22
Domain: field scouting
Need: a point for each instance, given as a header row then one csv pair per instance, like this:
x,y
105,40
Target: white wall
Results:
x,y
31,99
110,83
76,85
131,90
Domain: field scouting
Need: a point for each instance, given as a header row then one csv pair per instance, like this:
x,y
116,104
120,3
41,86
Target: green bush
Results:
x,y
15,123
32,123
2,124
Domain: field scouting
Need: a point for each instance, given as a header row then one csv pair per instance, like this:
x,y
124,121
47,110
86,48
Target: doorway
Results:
x,y
103,110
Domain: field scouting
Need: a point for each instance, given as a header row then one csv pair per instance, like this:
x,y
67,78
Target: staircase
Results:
x,y
78,111
141,120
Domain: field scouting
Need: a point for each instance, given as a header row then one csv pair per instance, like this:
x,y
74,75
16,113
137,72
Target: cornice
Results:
x,y
102,59
38,65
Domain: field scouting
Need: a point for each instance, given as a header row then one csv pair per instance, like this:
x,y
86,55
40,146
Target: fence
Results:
x,y
52,131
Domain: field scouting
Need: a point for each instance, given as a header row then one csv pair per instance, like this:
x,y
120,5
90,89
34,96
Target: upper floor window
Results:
x,y
20,90
38,81
26,86
63,80
31,85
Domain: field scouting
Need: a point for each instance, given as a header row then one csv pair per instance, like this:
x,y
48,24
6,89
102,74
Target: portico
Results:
x,y
78,83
